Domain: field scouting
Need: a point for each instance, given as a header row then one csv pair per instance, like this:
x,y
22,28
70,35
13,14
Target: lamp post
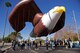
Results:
x,y
7,4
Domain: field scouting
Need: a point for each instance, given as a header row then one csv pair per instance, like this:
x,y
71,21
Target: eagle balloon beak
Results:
x,y
60,9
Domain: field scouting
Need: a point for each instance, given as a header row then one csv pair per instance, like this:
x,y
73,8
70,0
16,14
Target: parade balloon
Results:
x,y
43,24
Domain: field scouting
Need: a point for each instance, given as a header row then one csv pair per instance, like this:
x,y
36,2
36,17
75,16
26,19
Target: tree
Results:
x,y
15,36
12,36
7,39
66,33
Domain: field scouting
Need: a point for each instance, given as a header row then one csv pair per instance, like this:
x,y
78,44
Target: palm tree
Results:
x,y
15,36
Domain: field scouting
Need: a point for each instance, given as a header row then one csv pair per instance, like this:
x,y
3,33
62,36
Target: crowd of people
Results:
x,y
36,44
28,44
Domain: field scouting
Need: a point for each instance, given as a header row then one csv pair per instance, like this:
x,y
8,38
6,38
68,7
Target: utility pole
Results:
x,y
75,23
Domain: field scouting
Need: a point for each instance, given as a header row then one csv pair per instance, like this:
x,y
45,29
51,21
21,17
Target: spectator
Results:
x,y
28,44
66,43
33,43
55,43
51,44
13,44
25,44
40,43
69,41
47,42
22,45
36,45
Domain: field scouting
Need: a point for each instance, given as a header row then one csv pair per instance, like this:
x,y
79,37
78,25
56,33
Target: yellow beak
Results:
x,y
60,9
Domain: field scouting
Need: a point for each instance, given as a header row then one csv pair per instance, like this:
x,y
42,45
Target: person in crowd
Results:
x,y
33,43
55,43
28,44
22,45
51,44
18,44
13,45
47,43
36,45
25,44
66,43
69,41
79,41
40,43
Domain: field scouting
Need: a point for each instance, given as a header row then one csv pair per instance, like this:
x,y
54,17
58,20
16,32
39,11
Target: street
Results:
x,y
43,50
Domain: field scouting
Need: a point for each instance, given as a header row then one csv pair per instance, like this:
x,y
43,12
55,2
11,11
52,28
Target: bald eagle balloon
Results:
x,y
44,24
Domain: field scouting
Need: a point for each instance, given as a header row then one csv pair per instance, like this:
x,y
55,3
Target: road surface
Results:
x,y
43,50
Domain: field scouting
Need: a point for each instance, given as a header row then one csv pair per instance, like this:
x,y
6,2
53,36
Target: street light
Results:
x,y
7,4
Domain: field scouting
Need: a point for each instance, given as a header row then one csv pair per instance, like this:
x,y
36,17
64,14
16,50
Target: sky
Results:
x,y
45,6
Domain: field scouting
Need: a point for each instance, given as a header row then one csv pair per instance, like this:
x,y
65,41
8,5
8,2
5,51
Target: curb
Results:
x,y
3,50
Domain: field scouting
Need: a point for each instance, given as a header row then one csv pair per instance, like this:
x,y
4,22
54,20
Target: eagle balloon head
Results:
x,y
59,9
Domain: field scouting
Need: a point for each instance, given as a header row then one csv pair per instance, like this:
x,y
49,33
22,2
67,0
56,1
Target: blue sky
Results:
x,y
45,6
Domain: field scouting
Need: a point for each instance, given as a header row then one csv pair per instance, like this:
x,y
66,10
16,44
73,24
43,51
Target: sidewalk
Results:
x,y
6,46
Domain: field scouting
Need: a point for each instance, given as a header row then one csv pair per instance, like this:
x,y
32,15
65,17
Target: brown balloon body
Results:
x,y
28,11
